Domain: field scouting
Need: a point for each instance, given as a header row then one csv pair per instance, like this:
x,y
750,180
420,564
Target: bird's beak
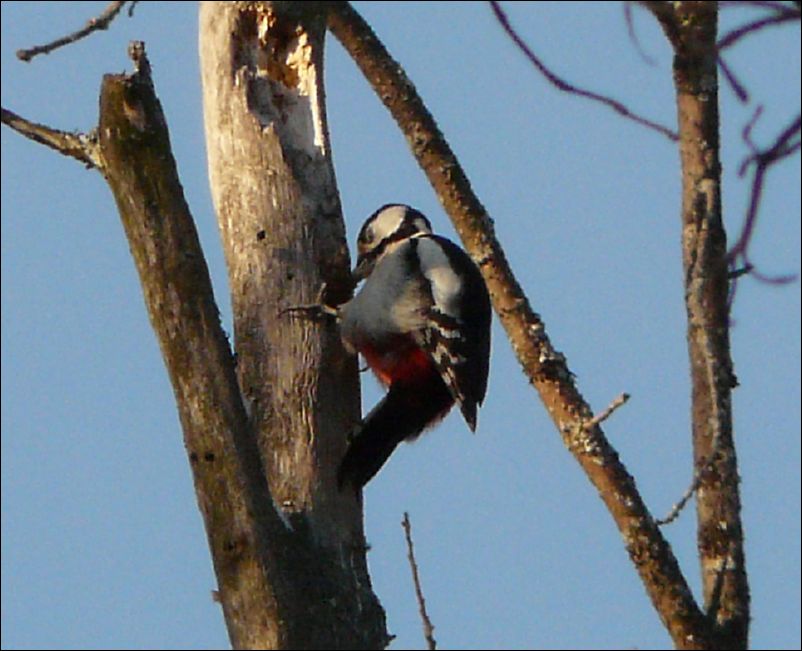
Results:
x,y
364,265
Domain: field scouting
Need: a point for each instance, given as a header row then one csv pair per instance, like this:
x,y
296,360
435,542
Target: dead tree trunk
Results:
x,y
280,221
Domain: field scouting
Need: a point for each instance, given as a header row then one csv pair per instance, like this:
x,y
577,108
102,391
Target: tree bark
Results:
x,y
280,221
692,30
229,482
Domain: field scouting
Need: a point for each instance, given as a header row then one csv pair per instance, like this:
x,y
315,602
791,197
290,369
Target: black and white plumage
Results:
x,y
422,322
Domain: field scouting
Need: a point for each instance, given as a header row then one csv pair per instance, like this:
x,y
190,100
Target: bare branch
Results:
x,y
786,144
698,473
692,32
633,36
604,415
563,85
786,14
93,24
746,135
780,14
229,478
763,4
80,146
673,514
428,628
737,87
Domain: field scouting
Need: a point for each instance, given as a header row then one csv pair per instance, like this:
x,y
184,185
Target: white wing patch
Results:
x,y
442,336
446,285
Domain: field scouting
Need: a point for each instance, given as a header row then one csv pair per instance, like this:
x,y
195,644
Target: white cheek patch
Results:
x,y
388,221
446,285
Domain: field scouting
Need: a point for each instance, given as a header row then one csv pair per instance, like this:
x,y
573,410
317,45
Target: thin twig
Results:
x,y
781,14
563,85
750,28
778,7
633,36
673,514
604,415
93,24
79,146
746,136
786,144
699,471
428,628
737,87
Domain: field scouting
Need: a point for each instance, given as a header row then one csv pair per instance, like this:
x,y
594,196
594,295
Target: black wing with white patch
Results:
x,y
457,334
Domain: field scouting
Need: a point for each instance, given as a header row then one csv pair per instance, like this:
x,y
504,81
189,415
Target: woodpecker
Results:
x,y
421,321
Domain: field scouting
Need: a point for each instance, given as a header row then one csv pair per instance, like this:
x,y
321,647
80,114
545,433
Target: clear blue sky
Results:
x,y
102,541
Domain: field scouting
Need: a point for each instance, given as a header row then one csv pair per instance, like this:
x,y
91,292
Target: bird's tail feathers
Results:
x,y
402,414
